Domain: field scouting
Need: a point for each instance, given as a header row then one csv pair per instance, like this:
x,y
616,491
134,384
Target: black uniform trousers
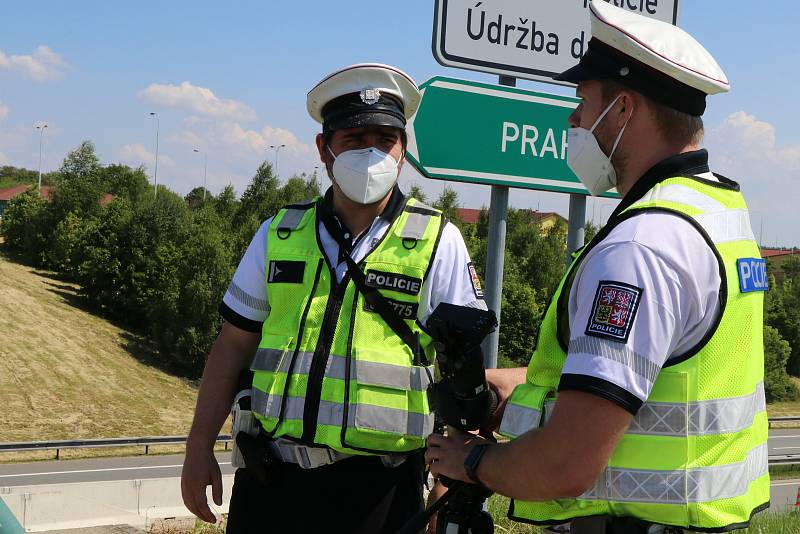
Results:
x,y
356,495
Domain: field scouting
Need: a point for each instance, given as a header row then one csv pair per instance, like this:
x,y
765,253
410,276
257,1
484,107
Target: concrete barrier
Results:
x,y
88,504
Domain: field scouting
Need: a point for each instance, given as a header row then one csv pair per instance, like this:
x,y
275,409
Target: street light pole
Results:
x,y
41,129
277,148
205,172
155,174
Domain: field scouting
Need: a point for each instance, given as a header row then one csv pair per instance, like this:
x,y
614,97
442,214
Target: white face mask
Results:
x,y
365,175
588,161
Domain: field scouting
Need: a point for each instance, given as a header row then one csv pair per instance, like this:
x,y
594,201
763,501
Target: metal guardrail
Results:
x,y
783,419
145,442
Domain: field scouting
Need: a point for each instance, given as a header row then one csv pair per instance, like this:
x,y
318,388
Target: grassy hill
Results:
x,y
66,373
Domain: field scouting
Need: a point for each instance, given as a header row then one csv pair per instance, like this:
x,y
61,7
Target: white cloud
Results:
x,y
42,65
137,154
3,111
746,150
204,132
755,140
3,159
196,99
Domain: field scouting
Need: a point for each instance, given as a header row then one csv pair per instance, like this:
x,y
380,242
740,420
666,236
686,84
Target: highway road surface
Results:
x,y
99,469
781,442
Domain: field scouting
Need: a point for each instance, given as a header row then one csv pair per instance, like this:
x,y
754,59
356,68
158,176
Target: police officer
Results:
x,y
339,388
643,403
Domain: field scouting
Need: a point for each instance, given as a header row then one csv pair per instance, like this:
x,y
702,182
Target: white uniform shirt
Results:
x,y
657,272
246,306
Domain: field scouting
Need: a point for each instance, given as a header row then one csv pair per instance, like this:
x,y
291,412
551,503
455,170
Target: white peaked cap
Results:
x,y
366,93
653,57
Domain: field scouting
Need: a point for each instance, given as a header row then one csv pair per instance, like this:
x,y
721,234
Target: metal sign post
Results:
x,y
496,256
577,224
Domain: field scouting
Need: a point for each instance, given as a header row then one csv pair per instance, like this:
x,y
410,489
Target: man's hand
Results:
x,y
503,382
232,352
200,469
446,455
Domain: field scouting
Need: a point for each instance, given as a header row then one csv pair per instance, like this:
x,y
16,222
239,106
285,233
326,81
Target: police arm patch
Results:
x,y
614,310
476,281
752,274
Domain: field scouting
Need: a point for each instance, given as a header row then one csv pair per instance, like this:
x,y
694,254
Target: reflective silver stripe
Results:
x,y
396,376
721,223
373,373
267,360
270,405
291,218
616,352
360,415
725,226
681,486
519,419
682,194
246,298
415,226
719,416
393,420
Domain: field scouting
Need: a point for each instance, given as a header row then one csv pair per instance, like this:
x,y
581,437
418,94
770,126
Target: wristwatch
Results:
x,y
473,459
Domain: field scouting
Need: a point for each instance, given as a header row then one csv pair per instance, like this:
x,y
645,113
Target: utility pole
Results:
x,y
205,172
277,148
41,129
155,174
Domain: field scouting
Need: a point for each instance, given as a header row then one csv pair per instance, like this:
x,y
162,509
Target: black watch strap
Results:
x,y
473,459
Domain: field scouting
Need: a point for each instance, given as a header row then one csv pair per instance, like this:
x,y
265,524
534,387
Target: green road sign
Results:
x,y
489,134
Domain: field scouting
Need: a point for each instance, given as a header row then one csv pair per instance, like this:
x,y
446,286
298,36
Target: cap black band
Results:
x,y
602,61
350,111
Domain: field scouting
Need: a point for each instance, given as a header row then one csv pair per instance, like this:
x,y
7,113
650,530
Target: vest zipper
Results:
x,y
320,360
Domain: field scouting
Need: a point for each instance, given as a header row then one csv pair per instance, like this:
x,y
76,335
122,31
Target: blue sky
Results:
x,y
94,70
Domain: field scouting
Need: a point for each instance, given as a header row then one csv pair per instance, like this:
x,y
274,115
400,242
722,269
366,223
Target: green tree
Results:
x,y
79,185
197,197
777,385
590,230
11,176
417,192
521,316
121,180
64,253
297,189
449,204
225,204
782,309
22,225
262,197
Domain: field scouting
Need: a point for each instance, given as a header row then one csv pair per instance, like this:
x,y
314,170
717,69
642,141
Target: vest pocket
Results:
x,y
525,410
392,399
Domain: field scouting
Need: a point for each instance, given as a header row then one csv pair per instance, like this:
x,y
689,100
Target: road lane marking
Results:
x,y
780,448
784,437
98,470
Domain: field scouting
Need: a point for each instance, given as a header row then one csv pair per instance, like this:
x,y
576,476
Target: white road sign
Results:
x,y
532,39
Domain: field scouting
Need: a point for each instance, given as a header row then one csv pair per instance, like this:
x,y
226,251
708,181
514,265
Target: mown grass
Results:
x,y
66,373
